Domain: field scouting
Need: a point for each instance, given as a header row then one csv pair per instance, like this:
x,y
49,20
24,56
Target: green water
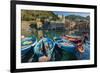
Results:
x,y
48,33
68,56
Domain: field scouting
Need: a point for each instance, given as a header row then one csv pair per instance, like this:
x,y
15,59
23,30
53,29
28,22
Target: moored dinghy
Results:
x,y
74,39
27,43
41,48
77,40
65,44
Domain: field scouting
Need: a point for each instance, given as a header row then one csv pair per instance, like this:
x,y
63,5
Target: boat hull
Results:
x,y
74,39
25,48
68,48
38,49
65,45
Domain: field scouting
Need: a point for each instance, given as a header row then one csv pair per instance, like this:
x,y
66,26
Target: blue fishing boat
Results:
x,y
27,43
45,44
65,44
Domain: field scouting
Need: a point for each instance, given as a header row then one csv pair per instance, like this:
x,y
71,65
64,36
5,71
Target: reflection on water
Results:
x,y
40,33
53,33
49,33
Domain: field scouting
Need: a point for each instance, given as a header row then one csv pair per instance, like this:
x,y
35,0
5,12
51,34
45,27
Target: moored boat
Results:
x,y
44,47
74,39
77,40
66,45
27,43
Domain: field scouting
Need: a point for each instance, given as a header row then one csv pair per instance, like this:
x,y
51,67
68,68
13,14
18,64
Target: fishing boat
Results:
x,y
74,39
41,45
66,45
77,40
27,43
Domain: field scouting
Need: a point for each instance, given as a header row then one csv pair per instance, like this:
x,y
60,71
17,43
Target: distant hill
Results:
x,y
76,17
88,17
28,15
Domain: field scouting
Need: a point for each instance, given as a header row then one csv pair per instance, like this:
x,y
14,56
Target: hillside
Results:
x,y
28,15
76,18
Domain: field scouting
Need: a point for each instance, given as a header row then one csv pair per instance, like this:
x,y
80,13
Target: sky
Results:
x,y
84,14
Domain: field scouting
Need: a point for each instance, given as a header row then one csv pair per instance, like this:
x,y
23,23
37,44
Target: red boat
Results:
x,y
74,39
77,40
